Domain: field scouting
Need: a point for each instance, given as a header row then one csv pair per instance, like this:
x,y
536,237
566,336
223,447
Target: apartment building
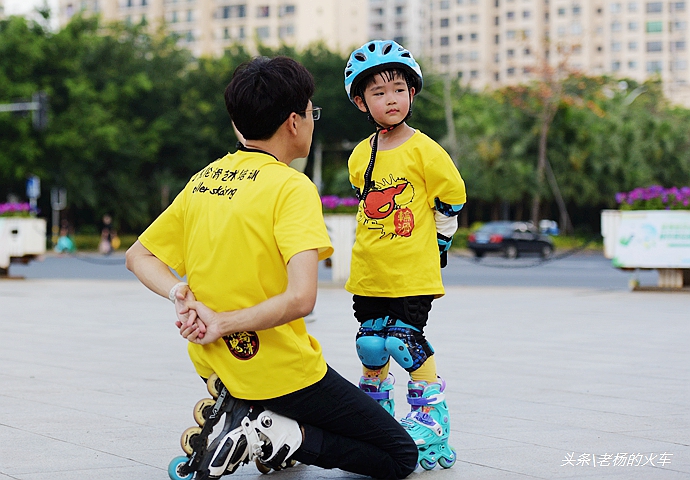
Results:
x,y
208,27
489,43
404,21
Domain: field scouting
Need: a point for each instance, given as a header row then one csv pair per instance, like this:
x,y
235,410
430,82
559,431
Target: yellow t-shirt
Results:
x,y
396,253
232,231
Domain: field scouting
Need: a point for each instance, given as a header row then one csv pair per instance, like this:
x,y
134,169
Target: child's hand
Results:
x,y
206,327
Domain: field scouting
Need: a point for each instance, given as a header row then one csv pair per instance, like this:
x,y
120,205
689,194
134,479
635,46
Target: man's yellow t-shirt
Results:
x,y
396,253
232,231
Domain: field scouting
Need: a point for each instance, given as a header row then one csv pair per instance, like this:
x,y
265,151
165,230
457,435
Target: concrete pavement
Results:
x,y
543,383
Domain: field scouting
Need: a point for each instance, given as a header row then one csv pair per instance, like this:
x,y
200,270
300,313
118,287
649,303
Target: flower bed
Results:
x,y
655,197
14,209
335,204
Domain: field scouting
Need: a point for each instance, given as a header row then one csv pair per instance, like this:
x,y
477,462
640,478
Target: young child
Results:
x,y
410,194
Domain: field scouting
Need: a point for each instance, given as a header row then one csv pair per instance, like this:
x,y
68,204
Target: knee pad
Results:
x,y
407,346
371,346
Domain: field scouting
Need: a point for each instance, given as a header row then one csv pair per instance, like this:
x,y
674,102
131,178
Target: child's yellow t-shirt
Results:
x,y
232,231
396,252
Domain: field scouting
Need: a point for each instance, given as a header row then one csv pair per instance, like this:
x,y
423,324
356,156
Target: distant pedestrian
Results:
x,y
109,239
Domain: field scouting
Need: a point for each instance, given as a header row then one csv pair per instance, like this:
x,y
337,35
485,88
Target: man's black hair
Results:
x,y
264,92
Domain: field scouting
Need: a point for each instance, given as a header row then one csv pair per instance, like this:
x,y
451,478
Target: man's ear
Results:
x,y
360,103
291,123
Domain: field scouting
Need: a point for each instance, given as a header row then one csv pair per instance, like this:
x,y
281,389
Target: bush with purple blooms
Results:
x,y
655,197
14,209
335,204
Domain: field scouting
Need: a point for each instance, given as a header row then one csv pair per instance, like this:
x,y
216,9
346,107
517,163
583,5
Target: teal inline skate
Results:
x,y
429,424
380,391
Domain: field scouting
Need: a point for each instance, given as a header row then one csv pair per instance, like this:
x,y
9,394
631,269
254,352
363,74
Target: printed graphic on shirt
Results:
x,y
243,345
385,208
224,175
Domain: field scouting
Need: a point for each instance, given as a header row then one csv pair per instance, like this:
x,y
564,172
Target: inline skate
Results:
x,y
250,433
428,423
381,391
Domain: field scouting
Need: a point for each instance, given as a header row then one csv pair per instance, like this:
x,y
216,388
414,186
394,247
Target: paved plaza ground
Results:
x,y
544,383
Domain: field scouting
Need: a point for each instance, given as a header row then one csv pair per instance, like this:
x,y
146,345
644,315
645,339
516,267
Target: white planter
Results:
x,y
649,239
21,237
341,229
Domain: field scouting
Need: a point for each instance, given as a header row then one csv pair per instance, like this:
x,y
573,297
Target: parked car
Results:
x,y
511,239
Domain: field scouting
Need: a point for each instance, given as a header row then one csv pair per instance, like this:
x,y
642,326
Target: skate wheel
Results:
x,y
174,469
446,462
263,468
202,410
214,385
426,464
189,439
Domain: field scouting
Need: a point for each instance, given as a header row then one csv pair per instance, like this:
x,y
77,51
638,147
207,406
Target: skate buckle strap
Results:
x,y
421,401
426,420
253,440
385,395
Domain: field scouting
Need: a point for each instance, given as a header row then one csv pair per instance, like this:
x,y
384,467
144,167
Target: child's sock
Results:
x,y
427,372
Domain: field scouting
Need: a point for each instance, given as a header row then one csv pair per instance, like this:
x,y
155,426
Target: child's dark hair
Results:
x,y
264,92
388,74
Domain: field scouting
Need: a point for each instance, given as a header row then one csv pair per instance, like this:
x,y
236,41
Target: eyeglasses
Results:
x,y
315,113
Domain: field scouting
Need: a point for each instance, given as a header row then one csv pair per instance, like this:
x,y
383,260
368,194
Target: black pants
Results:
x,y
344,428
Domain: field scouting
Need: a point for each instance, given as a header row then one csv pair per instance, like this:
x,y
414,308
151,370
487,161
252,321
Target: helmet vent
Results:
x,y
406,54
372,47
361,57
387,48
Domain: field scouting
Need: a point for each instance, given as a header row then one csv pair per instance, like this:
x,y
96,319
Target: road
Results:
x,y
582,270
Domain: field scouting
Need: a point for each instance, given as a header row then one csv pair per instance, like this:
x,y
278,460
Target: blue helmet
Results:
x,y
377,56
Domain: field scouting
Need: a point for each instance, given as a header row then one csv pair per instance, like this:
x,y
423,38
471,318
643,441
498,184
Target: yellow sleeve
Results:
x,y
299,224
165,236
443,181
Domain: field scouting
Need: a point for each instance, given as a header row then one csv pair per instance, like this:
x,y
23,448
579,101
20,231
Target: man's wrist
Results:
x,y
173,290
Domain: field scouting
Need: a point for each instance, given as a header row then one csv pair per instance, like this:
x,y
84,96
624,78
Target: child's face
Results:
x,y
388,99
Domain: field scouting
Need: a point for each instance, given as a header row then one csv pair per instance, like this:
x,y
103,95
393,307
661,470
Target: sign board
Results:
x,y
33,187
653,239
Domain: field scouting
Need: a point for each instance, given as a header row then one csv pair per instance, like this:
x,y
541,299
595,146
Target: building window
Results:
x,y
615,7
226,33
679,26
444,41
474,55
285,31
632,6
190,15
632,65
399,10
654,66
460,19
444,59
510,15
474,73
444,4
444,22
561,12
680,65
263,11
632,46
677,6
510,53
632,26
526,14
510,34
654,27
263,32
474,37
460,37
285,10
678,46
615,65
460,56
190,36
576,10
474,18
497,39
615,46
654,7
616,26
527,52
174,17
654,46
510,72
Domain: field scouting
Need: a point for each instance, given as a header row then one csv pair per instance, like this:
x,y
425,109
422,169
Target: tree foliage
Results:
x,y
133,116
